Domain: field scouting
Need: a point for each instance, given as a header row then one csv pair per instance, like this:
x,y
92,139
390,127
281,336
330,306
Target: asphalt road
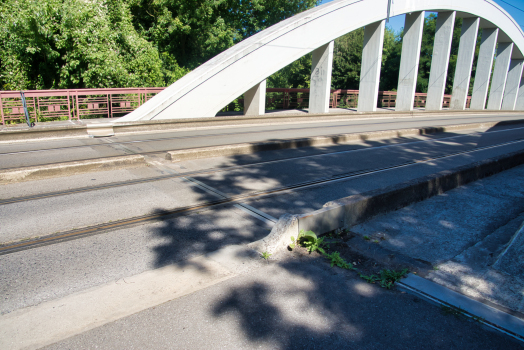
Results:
x,y
36,275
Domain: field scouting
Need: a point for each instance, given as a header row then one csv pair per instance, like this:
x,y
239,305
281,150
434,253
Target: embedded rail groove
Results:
x,y
9,248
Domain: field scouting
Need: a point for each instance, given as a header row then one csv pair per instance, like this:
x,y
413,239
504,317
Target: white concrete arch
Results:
x,y
213,85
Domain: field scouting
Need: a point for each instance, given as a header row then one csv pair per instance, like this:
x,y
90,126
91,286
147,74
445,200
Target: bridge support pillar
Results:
x,y
488,44
519,106
321,68
512,85
500,74
440,60
466,53
409,60
255,100
370,68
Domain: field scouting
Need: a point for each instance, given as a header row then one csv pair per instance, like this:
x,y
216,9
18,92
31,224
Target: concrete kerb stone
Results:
x,y
279,237
356,209
250,148
353,210
70,168
42,133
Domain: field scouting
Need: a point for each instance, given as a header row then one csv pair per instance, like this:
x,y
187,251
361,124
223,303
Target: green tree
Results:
x,y
296,75
193,31
347,60
73,44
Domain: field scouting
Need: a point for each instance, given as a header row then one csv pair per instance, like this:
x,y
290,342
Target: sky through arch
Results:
x,y
514,7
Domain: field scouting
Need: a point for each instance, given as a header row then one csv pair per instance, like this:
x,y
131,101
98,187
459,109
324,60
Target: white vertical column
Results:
x,y
370,68
255,100
407,77
488,44
519,106
500,74
512,85
321,67
440,60
466,53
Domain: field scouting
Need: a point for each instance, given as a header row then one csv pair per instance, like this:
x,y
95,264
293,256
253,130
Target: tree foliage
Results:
x,y
122,43
73,44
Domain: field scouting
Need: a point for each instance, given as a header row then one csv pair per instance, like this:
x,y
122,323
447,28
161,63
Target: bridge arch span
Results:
x,y
207,89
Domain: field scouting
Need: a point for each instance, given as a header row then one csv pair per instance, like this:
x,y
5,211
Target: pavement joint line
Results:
x,y
492,317
12,247
258,214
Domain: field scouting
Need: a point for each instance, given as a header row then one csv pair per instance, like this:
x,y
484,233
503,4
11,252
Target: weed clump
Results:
x,y
309,240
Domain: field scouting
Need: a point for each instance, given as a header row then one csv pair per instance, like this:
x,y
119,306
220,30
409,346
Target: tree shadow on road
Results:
x,y
309,305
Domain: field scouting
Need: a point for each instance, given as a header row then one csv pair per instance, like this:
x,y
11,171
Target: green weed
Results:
x,y
335,259
386,278
265,256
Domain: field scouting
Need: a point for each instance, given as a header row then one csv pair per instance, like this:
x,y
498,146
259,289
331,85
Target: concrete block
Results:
x,y
279,237
500,74
321,68
407,79
488,45
512,85
370,69
440,60
255,100
466,53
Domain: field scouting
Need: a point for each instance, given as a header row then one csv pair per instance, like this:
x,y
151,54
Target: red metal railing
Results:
x,y
45,105
386,99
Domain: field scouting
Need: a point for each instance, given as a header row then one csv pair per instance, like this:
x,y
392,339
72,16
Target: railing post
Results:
x,y
488,44
69,104
466,53
409,60
500,74
512,85
370,67
255,100
440,60
321,67
2,109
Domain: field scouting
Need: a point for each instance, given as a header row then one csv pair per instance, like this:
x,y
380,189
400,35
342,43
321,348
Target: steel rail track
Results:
x,y
10,248
209,171
197,136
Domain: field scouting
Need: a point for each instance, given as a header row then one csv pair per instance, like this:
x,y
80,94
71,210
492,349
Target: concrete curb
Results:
x,y
49,131
440,295
359,208
40,172
250,148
